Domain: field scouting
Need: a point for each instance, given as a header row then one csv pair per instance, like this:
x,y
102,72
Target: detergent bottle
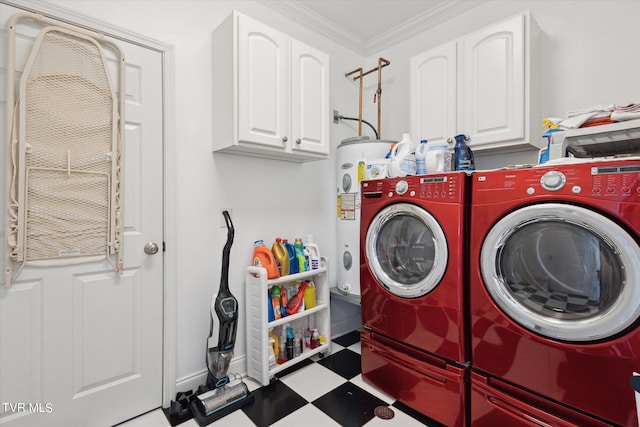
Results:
x,y
312,253
438,158
309,295
302,260
399,153
275,302
271,316
421,151
463,156
291,253
281,256
263,257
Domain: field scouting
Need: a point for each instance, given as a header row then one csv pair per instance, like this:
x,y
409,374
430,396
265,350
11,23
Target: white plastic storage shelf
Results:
x,y
258,325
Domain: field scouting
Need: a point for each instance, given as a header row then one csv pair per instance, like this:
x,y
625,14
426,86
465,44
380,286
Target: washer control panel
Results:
x,y
447,187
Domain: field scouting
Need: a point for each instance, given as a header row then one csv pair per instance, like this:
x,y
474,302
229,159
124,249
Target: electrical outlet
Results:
x,y
223,223
336,116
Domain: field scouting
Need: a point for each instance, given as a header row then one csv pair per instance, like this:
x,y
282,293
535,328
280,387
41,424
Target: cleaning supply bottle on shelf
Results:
x,y
421,153
293,260
309,295
463,156
270,313
276,302
302,260
282,351
313,253
263,257
281,256
290,344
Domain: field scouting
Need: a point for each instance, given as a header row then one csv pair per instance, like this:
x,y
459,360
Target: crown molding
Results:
x,y
310,19
418,24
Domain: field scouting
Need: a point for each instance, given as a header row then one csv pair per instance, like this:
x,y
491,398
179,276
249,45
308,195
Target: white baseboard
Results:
x,y
192,382
346,325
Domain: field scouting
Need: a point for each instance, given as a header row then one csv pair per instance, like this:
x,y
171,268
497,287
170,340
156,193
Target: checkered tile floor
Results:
x,y
317,392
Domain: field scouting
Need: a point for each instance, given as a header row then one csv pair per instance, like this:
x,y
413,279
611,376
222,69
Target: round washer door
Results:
x,y
406,250
563,271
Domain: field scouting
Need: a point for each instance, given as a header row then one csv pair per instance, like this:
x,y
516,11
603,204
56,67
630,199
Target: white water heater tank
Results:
x,y
358,158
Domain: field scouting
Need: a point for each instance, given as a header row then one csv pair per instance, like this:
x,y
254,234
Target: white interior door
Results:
x,y
82,345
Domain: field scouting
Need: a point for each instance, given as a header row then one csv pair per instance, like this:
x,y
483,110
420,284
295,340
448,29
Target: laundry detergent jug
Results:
x,y
400,163
438,158
282,257
263,257
421,151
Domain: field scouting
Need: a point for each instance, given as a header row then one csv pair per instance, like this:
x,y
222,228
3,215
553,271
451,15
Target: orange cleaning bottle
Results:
x,y
262,257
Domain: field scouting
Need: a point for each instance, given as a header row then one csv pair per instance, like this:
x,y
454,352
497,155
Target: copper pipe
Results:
x,y
359,99
381,64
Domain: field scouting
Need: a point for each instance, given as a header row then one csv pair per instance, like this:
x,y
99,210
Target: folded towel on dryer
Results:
x,y
594,111
627,108
599,121
625,112
577,121
622,116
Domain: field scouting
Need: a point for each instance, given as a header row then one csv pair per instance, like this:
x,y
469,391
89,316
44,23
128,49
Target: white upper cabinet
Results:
x,y
309,99
433,94
270,93
484,84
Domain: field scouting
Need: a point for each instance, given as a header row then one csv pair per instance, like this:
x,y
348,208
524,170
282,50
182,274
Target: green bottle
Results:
x,y
302,260
275,302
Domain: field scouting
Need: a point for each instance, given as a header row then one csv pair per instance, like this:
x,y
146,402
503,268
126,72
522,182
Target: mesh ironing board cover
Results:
x,y
66,204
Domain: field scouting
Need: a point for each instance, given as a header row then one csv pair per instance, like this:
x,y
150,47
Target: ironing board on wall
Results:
x,y
65,204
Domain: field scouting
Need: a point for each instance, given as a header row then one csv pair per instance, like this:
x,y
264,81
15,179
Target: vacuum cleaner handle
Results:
x,y
226,254
222,334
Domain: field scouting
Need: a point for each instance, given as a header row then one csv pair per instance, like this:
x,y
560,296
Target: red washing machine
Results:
x,y
554,294
413,294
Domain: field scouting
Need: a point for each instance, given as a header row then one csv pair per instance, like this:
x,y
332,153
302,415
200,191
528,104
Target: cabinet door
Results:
x,y
433,93
309,99
492,105
262,84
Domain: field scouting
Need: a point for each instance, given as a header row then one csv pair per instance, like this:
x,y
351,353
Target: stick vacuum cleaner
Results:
x,y
222,394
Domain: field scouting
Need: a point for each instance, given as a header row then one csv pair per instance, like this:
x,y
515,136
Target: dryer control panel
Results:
x,y
616,179
611,180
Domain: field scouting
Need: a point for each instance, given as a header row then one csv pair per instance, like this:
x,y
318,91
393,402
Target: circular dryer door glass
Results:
x,y
406,250
563,271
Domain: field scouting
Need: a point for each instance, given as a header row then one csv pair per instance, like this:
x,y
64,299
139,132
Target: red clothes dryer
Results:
x,y
412,281
555,293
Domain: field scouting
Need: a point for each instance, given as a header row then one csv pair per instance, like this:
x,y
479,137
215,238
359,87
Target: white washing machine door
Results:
x,y
563,271
406,250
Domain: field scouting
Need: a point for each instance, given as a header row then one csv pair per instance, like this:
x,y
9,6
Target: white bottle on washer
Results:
x,y
400,158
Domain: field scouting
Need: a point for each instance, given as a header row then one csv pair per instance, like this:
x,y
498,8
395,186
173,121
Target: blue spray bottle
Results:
x,y
462,154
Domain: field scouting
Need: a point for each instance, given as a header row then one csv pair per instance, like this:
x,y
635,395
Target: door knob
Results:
x,y
151,248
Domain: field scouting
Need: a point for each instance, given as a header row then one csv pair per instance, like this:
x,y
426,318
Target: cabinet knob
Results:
x,y
285,139
298,141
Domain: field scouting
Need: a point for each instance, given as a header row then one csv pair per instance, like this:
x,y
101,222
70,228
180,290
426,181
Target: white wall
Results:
x,y
268,198
589,50
590,57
